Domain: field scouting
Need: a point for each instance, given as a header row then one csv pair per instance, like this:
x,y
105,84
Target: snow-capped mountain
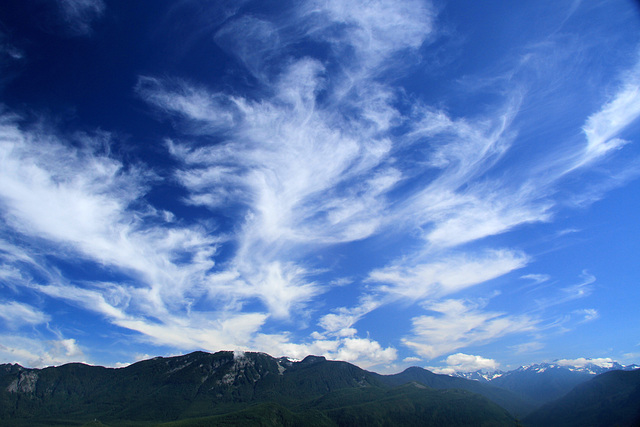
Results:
x,y
544,382
594,369
481,375
586,368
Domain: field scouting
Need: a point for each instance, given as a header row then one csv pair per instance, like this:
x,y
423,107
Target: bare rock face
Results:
x,y
241,363
25,383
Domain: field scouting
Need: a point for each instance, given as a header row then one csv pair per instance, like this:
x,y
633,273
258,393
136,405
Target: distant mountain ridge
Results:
x,y
228,388
233,389
544,382
608,399
589,368
505,398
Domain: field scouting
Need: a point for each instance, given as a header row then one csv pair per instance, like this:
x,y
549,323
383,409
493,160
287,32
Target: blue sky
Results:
x,y
444,184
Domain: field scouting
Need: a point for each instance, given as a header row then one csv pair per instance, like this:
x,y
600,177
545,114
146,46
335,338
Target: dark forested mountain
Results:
x,y
233,389
505,398
227,388
540,384
610,399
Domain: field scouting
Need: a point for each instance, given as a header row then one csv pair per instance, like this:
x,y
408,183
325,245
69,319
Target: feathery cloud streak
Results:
x,y
79,15
316,150
316,163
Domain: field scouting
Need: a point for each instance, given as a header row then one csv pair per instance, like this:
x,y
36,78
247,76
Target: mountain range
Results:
x,y
544,382
228,388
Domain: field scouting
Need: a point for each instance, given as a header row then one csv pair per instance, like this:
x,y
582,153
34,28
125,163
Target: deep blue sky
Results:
x,y
445,184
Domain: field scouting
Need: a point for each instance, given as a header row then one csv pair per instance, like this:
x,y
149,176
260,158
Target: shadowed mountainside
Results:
x,y
609,399
231,389
540,386
505,398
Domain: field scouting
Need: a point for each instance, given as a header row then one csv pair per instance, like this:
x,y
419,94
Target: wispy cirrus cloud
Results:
x,y
463,202
322,145
527,347
284,164
305,175
537,279
589,314
459,324
370,32
570,293
16,315
95,211
439,278
125,307
341,321
602,129
79,15
260,47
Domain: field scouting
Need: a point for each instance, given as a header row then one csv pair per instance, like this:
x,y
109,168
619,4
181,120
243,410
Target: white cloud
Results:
x,y
463,148
108,300
302,176
461,362
471,217
369,32
255,42
67,347
284,162
479,210
39,353
80,14
136,358
324,152
8,48
569,293
363,352
631,358
93,209
88,199
528,347
16,315
448,275
207,331
588,314
280,287
342,319
536,278
603,362
601,128
182,330
211,112
460,205
460,324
